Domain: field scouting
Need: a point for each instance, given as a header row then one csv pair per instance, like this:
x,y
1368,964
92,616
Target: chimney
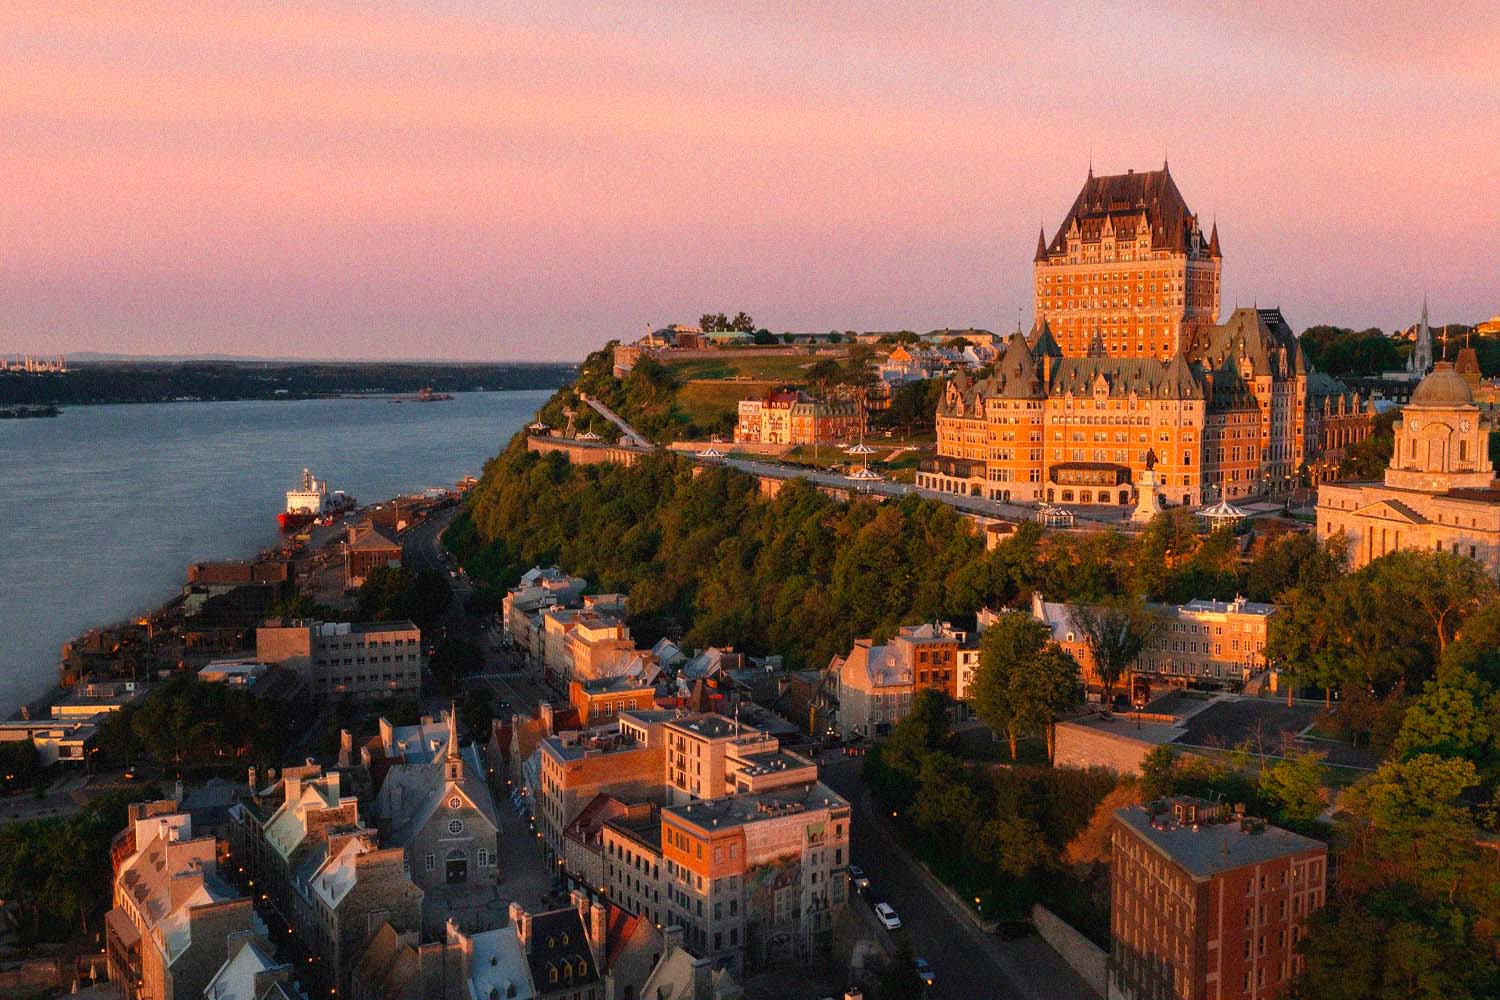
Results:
x,y
703,971
544,713
346,748
598,924
250,780
177,792
671,937
521,921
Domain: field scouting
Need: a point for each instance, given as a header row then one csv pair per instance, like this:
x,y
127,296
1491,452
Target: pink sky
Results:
x,y
468,180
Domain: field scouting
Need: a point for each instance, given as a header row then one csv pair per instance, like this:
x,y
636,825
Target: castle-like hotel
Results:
x,y
1127,357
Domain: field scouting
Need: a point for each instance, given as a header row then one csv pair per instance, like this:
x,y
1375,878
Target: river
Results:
x,y
105,506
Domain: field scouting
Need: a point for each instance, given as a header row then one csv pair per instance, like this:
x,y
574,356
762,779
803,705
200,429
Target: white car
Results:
x,y
887,917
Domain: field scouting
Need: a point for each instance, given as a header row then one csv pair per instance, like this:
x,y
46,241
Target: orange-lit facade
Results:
x,y
1127,358
1129,266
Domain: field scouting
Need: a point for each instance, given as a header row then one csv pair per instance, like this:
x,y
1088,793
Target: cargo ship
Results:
x,y
310,501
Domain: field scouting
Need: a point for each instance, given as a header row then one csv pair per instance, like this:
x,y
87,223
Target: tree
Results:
x,y
1158,772
835,337
1025,681
742,322
1114,632
713,322
764,337
787,338
1293,787
1445,585
1414,807
1453,717
451,661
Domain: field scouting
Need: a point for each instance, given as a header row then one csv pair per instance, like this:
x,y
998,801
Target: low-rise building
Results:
x,y
602,699
631,846
1205,904
794,418
345,886
583,839
243,672
96,699
625,760
348,659
1215,643
169,930
66,740
251,972
369,546
874,685
539,589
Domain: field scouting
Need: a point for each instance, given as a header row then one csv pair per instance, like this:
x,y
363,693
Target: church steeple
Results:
x,y
453,763
1041,245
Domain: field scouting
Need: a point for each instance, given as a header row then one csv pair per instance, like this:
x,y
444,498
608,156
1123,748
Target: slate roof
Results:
x,y
560,956
421,788
1126,203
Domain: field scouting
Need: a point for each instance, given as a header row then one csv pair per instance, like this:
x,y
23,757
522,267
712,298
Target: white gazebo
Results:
x,y
865,474
1054,517
537,427
859,449
1222,514
710,454
589,436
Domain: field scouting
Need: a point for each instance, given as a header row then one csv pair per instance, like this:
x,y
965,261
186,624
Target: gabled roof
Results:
x,y
1393,510
411,794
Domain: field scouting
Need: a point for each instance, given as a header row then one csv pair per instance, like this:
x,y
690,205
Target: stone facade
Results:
x,y
1439,491
344,659
795,418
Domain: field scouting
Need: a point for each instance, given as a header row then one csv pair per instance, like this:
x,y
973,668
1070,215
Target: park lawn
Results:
x,y
772,368
704,402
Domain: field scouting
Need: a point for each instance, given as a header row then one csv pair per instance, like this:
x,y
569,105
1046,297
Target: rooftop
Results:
x,y
1206,849
741,810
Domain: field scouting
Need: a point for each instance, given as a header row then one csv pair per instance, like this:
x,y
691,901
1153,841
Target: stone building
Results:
x,y
368,547
1439,491
1216,643
874,685
346,888
1230,421
625,760
169,930
1130,267
756,879
439,810
1206,905
274,831
251,972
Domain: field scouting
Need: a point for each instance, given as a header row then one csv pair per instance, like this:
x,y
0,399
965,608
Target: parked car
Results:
x,y
924,972
887,916
858,878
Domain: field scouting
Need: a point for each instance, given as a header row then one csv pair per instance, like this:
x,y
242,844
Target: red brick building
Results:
x,y
1206,905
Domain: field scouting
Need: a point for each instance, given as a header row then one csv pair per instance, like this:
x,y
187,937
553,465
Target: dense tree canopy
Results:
x,y
1024,681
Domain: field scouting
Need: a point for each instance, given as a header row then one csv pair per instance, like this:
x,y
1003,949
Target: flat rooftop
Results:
x,y
708,724
333,629
775,761
614,685
1213,847
740,810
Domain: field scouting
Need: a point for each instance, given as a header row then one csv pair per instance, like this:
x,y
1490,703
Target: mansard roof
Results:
x,y
1123,204
1260,336
1042,340
1145,377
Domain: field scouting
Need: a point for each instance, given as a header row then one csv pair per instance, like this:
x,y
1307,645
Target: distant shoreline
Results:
x,y
95,384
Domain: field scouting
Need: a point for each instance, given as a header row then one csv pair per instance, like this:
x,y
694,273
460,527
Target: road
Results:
x,y
968,962
973,505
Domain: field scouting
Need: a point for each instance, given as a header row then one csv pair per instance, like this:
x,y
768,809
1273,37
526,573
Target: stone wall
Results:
x,y
1083,746
1090,961
584,452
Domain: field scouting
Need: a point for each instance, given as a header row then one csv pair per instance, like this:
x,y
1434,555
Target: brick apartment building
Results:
x,y
1205,905
368,547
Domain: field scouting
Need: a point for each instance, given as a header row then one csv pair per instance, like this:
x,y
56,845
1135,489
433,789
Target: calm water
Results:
x,y
105,506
